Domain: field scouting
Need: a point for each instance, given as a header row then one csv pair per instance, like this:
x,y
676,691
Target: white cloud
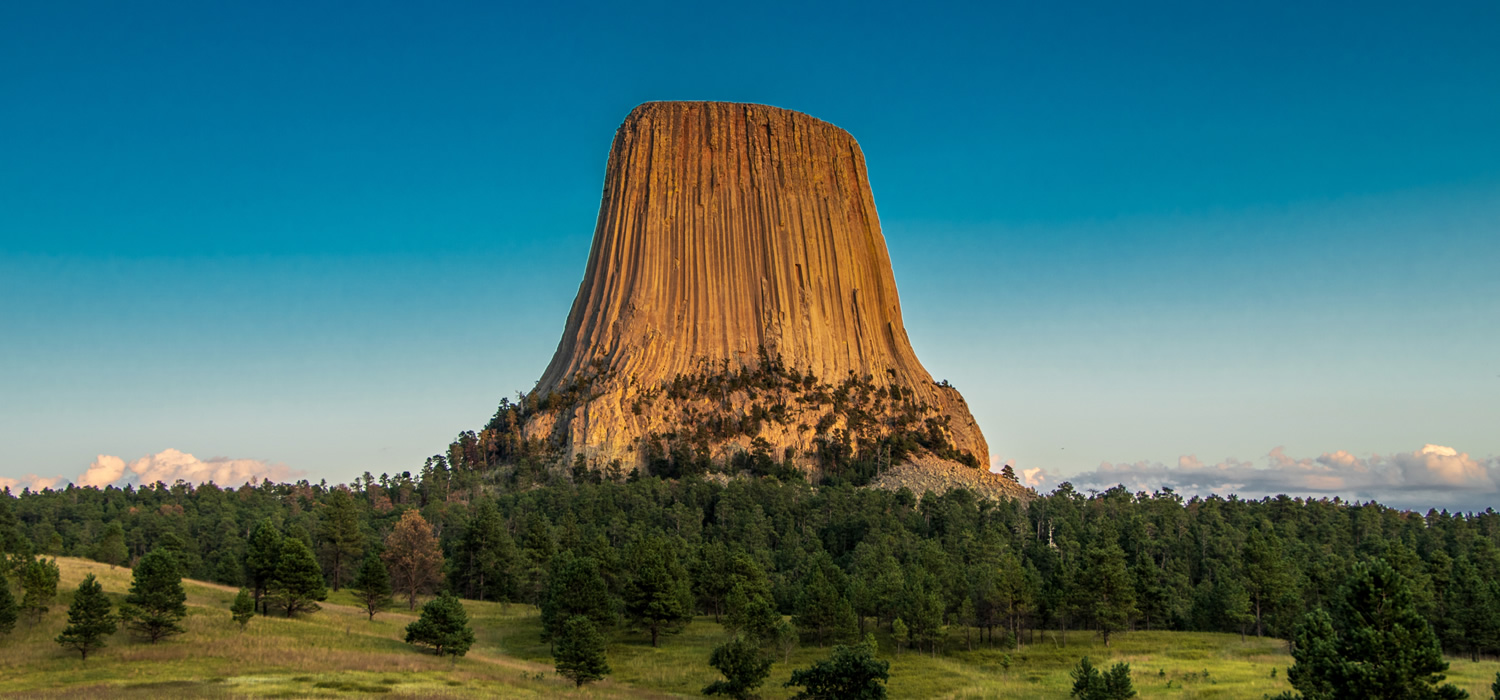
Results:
x,y
106,470
170,465
30,481
1035,477
1436,475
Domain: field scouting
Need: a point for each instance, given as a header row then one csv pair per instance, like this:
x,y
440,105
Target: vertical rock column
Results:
x,y
725,228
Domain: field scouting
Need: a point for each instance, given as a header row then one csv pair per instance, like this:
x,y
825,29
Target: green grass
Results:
x,y
338,653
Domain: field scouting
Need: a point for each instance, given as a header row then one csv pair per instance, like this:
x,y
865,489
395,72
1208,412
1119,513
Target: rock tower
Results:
x,y
731,236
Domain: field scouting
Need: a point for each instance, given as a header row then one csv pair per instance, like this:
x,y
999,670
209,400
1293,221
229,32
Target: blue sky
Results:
x,y
329,238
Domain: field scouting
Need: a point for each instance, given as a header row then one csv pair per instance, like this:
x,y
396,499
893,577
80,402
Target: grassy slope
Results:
x,y
338,653
274,657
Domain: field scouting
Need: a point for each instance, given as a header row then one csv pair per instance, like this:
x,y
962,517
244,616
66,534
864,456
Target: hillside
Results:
x,y
338,653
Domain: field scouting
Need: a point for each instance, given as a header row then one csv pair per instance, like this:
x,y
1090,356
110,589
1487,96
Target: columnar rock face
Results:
x,y
728,232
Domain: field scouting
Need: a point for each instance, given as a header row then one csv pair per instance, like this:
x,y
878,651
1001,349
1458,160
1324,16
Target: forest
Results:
x,y
941,570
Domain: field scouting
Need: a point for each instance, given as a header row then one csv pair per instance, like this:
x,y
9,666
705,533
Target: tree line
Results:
x,y
778,560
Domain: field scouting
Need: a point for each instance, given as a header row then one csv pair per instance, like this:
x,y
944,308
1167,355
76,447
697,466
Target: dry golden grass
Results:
x,y
336,652
339,653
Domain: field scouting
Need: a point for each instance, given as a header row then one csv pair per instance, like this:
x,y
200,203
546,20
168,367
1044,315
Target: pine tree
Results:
x,y
261,557
922,609
485,557
579,651
744,668
298,582
658,596
753,612
1473,619
89,619
342,539
372,586
1110,588
156,602
414,559
1269,579
444,626
900,634
243,608
1090,684
39,581
822,608
8,611
1372,644
1008,472
110,549
575,587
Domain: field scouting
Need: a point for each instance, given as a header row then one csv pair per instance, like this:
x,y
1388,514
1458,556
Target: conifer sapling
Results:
x,y
444,626
8,611
89,619
298,583
156,602
372,586
579,651
243,608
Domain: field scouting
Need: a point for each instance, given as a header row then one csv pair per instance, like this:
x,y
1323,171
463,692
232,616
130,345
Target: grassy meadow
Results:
x,y
339,653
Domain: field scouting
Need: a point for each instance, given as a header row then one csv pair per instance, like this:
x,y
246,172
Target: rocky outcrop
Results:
x,y
924,474
729,234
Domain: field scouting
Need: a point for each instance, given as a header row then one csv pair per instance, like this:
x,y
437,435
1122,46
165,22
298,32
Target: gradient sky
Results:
x,y
331,236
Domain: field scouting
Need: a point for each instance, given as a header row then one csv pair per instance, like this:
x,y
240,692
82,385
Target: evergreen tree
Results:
x,y
372,586
752,612
575,587
261,557
89,619
243,608
579,651
342,538
1108,584
822,609
485,556
8,611
851,673
413,557
900,633
298,583
658,595
444,626
156,602
1090,684
744,668
1373,644
1009,472
110,549
922,611
1269,579
39,581
1472,622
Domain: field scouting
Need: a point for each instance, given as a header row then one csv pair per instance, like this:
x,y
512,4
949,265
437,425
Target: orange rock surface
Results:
x,y
725,228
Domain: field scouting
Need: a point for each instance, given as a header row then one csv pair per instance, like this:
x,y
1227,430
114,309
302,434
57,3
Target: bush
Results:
x,y
1090,684
852,673
744,668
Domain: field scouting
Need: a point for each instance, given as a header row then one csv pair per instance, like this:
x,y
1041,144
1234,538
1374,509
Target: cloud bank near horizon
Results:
x,y
167,466
1433,476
